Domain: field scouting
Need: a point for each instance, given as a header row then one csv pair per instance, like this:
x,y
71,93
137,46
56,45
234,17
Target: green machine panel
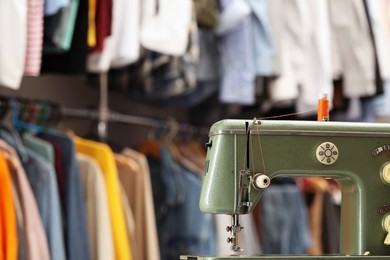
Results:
x,y
243,156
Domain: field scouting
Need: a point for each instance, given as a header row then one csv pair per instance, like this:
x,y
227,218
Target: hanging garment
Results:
x,y
40,166
131,187
103,22
91,23
379,17
183,228
13,42
372,29
166,76
121,46
60,171
263,49
41,147
373,26
207,68
206,13
54,6
8,225
60,40
304,53
315,222
76,228
20,226
104,157
381,104
136,183
151,248
98,214
74,60
275,24
43,182
127,48
166,31
51,25
314,189
130,222
353,48
33,60
236,53
284,221
36,240
331,225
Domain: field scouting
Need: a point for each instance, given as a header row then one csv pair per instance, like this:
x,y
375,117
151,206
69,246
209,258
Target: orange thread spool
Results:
x,y
323,108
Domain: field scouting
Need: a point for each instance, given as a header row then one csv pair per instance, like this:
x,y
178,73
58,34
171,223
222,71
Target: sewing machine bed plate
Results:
x,y
333,257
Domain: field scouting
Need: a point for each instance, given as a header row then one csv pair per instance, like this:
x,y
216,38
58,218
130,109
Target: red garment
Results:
x,y
103,23
59,167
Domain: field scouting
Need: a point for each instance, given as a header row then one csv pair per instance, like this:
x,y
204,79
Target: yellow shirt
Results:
x,y
105,158
91,23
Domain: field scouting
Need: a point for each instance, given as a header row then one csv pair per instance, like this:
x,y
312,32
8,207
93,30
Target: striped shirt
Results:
x,y
33,60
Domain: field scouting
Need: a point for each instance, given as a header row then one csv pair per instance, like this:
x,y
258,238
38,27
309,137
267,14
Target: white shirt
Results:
x,y
13,31
304,53
379,13
122,47
166,31
353,48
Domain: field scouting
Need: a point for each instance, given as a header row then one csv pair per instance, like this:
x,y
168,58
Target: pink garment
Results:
x,y
36,242
33,60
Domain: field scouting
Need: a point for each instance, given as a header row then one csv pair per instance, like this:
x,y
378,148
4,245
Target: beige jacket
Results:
x,y
98,217
135,177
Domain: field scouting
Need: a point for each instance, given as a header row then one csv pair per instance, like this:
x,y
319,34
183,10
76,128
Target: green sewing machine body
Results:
x,y
244,155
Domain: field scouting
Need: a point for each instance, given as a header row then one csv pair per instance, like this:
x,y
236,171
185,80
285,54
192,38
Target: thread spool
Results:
x,y
323,108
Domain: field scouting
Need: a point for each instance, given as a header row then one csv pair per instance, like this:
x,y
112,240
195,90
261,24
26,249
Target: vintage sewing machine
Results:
x,y
243,156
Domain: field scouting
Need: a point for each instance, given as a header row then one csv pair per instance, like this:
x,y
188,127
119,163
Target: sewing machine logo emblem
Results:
x,y
381,149
327,153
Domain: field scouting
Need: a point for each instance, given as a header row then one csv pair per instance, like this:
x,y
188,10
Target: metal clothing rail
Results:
x,y
50,113
110,116
169,124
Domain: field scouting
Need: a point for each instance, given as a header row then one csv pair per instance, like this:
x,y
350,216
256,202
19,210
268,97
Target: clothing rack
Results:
x,y
169,124
103,106
109,116
47,112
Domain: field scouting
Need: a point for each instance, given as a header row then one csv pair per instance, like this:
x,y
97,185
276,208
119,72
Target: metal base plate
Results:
x,y
333,257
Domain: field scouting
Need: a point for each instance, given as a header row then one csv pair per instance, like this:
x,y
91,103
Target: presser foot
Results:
x,y
235,230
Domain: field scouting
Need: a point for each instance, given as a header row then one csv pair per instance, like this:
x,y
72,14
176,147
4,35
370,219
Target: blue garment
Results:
x,y
381,104
284,221
76,233
43,182
207,68
182,228
53,6
42,179
236,53
203,91
263,49
207,74
358,110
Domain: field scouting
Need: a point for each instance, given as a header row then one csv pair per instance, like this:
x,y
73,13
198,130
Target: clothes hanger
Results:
x,y
43,114
188,156
16,116
93,135
152,145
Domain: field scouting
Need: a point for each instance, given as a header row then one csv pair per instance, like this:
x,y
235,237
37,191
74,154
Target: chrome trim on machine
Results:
x,y
299,133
